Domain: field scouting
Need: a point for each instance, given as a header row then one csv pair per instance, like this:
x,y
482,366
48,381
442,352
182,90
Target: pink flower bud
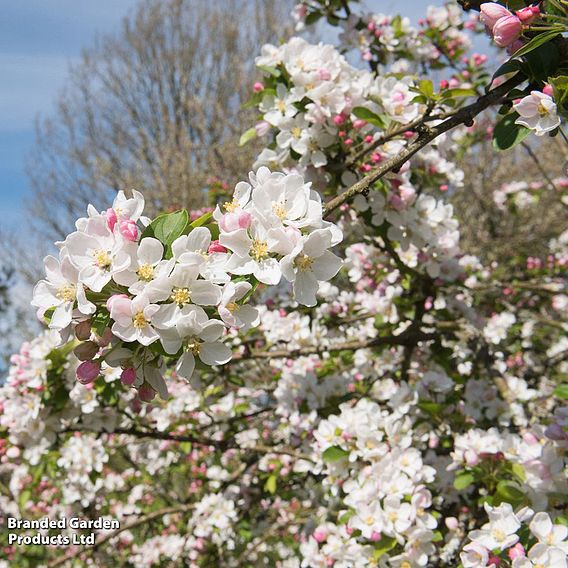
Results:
x,y
376,536
359,123
324,74
495,560
215,246
348,142
338,119
129,230
368,139
548,90
444,84
88,371
128,376
507,30
257,87
111,218
237,220
452,523
112,299
528,14
262,128
491,13
146,393
320,535
515,46
517,551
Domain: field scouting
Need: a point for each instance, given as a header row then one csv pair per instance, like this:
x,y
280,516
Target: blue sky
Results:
x,y
38,41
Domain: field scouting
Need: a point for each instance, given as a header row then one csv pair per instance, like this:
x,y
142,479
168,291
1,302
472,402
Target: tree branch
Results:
x,y
463,116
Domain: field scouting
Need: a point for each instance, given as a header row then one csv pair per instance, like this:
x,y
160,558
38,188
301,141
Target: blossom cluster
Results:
x,y
135,292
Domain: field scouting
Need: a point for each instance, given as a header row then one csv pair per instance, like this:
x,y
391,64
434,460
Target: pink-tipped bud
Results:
x,y
257,87
129,230
215,246
491,13
444,84
86,351
324,74
128,376
111,218
529,14
338,119
146,393
262,128
548,90
112,299
376,536
452,523
359,123
516,551
237,220
507,30
319,535
88,371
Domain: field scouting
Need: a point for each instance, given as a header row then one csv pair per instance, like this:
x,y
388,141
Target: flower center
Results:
x,y
279,210
66,293
181,296
102,259
232,307
542,110
498,534
259,250
139,321
146,272
296,132
303,262
194,346
231,206
281,106
393,516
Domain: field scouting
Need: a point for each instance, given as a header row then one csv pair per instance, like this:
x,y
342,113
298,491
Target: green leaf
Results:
x,y
541,63
507,134
368,115
270,484
561,391
167,227
247,136
334,453
269,70
560,87
463,480
200,221
536,41
507,67
382,546
455,93
426,87
519,472
509,492
100,322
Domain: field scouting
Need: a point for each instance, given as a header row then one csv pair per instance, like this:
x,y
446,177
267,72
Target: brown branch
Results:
x,y
463,116
124,527
404,338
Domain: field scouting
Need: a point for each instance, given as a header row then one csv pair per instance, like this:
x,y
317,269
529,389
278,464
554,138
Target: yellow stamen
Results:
x,y
102,258
542,110
194,347
303,262
66,293
146,272
259,250
232,307
279,210
181,296
139,321
296,132
231,206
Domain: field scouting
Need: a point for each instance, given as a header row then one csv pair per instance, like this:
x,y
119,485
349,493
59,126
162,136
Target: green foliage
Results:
x,y
507,134
167,228
369,116
247,136
334,453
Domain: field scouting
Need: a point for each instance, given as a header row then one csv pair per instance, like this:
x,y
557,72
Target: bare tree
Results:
x,y
494,234
156,107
